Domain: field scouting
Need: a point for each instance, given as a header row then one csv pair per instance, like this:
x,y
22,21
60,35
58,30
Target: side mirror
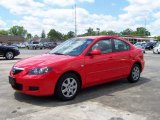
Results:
x,y
95,52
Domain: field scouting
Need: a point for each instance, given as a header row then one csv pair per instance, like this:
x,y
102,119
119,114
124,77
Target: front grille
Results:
x,y
16,70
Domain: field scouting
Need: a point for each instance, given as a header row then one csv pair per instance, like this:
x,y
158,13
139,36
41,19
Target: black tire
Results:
x,y
134,76
9,55
63,80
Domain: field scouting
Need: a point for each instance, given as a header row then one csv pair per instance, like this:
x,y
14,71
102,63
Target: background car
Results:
x,y
49,45
9,52
21,45
75,64
140,43
150,45
141,47
156,49
35,45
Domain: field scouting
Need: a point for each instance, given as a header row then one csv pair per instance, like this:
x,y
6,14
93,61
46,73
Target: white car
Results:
x,y
21,45
156,49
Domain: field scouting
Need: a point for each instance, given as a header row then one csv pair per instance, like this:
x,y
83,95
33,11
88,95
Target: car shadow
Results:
x,y
86,94
10,60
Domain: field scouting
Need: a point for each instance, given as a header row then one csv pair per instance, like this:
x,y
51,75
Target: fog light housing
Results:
x,y
33,88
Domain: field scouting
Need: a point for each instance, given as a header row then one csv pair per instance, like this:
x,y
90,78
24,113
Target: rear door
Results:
x,y
121,57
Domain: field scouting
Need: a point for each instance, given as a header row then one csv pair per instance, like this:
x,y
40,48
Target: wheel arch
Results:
x,y
73,72
138,63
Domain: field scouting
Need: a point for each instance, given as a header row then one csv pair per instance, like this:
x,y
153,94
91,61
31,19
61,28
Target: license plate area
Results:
x,y
12,81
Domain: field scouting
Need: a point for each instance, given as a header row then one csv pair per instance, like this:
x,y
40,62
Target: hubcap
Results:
x,y
9,55
135,73
69,87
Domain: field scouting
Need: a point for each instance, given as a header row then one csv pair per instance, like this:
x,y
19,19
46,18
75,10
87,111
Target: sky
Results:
x,y
117,15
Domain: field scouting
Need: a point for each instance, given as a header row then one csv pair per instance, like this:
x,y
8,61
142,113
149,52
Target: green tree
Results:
x,y
157,38
3,32
55,35
69,35
90,31
141,31
29,36
18,31
127,31
98,31
43,35
103,32
110,32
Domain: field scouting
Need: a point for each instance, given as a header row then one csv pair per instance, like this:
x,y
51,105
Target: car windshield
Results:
x,y
72,47
157,44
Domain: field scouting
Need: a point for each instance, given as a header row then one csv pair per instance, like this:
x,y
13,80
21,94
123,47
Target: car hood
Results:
x,y
42,60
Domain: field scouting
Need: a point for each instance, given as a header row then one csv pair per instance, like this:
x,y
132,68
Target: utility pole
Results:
x,y
145,27
75,21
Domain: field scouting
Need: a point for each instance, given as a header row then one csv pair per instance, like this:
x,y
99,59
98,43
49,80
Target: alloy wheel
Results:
x,y
69,87
135,73
9,55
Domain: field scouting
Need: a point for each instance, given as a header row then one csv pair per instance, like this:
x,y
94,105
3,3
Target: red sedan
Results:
x,y
77,63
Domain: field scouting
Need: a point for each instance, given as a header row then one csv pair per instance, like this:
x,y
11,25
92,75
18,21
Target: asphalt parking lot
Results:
x,y
118,100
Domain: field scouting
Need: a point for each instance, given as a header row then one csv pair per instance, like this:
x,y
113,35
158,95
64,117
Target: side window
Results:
x,y
120,45
104,45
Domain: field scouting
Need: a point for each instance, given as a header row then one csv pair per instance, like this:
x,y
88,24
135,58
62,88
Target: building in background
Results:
x,y
134,39
11,39
38,39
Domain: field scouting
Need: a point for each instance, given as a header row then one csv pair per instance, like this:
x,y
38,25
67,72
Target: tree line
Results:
x,y
58,36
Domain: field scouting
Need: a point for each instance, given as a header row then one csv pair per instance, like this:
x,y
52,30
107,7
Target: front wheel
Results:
x,y
134,74
67,87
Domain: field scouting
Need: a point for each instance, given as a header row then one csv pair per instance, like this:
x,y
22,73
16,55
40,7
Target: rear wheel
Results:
x,y
134,74
9,55
67,87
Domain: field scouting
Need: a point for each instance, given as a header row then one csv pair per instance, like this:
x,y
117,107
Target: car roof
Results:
x,y
98,37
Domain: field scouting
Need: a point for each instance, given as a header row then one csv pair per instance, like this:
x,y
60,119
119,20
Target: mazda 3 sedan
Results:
x,y
76,64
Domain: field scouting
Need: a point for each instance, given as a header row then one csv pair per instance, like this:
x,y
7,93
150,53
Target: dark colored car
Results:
x,y
150,45
9,52
49,45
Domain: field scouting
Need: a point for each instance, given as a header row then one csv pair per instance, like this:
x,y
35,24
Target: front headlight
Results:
x,y
39,71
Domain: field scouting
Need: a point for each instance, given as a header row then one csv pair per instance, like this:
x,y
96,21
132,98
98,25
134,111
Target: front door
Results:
x,y
99,68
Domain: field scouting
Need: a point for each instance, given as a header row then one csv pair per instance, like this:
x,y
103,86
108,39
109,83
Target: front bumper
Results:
x,y
34,85
17,53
